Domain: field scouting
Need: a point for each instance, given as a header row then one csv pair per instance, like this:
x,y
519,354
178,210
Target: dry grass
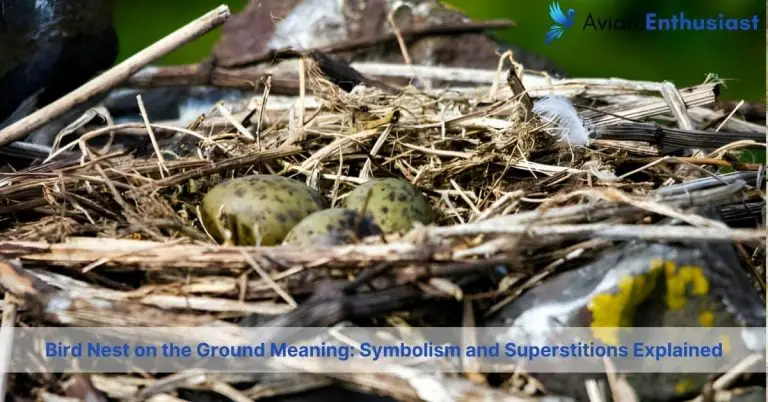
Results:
x,y
506,192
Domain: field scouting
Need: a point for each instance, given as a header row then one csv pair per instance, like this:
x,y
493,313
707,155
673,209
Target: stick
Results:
x,y
161,160
517,87
608,231
115,75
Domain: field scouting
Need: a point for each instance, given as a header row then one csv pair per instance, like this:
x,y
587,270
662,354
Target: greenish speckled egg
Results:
x,y
394,204
259,210
332,227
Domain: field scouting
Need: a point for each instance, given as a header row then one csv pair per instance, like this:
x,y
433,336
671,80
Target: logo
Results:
x,y
561,21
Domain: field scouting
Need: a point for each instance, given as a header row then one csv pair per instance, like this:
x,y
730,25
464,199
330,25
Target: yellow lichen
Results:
x,y
706,318
678,281
684,386
611,311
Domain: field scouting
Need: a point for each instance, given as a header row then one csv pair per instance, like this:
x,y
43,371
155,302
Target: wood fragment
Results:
x,y
516,85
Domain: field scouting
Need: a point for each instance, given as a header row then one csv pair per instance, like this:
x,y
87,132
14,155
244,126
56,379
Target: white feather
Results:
x,y
567,125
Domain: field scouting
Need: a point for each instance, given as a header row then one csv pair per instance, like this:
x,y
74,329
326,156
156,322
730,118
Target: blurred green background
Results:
x,y
682,57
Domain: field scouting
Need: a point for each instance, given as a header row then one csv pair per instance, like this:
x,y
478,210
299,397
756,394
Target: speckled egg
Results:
x,y
332,227
259,210
394,204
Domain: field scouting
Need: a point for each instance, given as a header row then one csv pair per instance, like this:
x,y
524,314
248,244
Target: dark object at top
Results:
x,y
50,48
270,25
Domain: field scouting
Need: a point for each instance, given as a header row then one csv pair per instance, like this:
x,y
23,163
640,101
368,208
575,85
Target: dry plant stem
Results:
x,y
265,276
673,137
297,133
264,99
677,105
537,85
727,379
126,128
408,384
469,337
399,38
594,391
610,231
465,197
679,110
302,91
403,46
365,172
621,390
703,114
184,379
730,115
233,163
517,87
82,251
229,392
401,382
328,150
145,117
115,75
236,124
130,214
732,375
637,108
165,398
499,67
700,161
290,386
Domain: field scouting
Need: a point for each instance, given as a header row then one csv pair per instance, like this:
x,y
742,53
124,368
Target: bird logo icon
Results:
x,y
561,21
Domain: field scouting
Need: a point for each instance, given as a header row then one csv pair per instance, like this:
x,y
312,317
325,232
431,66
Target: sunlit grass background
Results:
x,y
682,57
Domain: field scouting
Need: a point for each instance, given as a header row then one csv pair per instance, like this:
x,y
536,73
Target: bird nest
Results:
x,y
116,231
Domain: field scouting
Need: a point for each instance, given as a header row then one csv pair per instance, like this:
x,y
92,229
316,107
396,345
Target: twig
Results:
x,y
609,231
594,390
401,43
516,85
740,368
366,171
232,163
730,115
116,74
152,138
296,133
676,105
288,386
264,99
733,374
499,68
229,391
236,124
265,276
464,197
